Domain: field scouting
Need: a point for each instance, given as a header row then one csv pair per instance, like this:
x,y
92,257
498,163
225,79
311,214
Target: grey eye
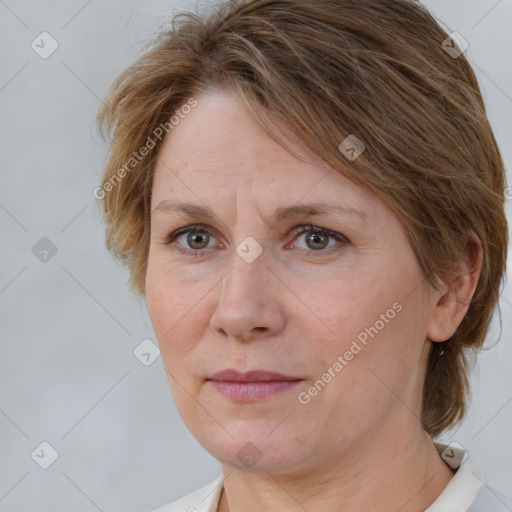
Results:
x,y
198,238
317,240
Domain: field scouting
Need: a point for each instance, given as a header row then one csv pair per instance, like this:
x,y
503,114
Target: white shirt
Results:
x,y
466,491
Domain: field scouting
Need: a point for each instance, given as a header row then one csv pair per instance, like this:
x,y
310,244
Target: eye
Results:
x,y
196,240
317,238
192,240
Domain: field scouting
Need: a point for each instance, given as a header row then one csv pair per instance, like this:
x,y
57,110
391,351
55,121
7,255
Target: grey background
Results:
x,y
69,325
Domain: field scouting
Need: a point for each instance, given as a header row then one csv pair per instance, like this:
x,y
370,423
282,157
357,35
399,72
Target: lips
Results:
x,y
252,386
231,375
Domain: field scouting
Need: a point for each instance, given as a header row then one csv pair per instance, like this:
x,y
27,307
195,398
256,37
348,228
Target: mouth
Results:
x,y
252,386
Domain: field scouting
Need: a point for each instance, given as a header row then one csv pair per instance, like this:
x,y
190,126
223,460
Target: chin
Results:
x,y
261,447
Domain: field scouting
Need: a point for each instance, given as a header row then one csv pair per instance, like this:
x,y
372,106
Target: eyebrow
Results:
x,y
298,210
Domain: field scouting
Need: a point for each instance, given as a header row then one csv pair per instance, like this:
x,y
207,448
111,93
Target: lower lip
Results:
x,y
253,391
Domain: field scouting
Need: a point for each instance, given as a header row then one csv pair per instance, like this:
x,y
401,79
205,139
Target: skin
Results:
x,y
358,444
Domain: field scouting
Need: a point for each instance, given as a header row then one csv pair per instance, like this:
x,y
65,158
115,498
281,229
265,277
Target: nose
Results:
x,y
249,305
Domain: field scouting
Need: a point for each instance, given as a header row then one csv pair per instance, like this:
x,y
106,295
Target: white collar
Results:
x,y
464,485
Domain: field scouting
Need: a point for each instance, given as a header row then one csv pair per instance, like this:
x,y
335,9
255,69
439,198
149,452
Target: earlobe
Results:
x,y
454,298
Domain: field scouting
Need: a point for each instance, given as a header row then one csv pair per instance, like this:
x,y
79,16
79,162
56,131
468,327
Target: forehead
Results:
x,y
218,151
218,133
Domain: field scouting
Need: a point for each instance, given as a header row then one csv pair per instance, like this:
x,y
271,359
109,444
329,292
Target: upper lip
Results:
x,y
231,375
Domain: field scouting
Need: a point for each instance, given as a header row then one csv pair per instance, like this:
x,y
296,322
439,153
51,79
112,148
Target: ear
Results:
x,y
453,299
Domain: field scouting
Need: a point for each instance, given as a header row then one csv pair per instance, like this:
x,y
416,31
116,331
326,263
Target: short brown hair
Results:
x,y
327,69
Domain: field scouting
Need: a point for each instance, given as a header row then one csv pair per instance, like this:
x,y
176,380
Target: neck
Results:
x,y
406,475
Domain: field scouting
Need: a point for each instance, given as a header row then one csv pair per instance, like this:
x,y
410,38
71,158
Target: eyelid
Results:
x,y
304,228
172,236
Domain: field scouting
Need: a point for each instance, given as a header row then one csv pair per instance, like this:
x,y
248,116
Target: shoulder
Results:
x,y
204,499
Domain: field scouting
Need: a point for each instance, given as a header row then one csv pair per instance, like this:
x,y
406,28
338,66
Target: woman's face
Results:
x,y
251,288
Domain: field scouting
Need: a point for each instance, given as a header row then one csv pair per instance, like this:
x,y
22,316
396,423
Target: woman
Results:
x,y
310,198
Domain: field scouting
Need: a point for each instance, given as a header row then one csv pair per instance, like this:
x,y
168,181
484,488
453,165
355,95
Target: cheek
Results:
x,y
350,306
379,362
378,322
389,363
175,311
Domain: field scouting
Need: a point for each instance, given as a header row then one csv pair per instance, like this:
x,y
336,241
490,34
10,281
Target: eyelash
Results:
x,y
170,239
